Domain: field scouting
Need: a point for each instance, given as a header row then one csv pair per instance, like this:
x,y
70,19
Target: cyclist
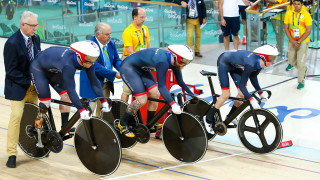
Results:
x,y
242,66
135,72
57,66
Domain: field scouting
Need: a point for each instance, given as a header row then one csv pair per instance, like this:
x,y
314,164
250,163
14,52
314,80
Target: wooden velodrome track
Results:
x,y
223,160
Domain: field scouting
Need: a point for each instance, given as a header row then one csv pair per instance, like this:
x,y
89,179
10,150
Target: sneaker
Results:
x,y
300,86
69,12
289,67
124,130
157,126
244,40
63,13
208,126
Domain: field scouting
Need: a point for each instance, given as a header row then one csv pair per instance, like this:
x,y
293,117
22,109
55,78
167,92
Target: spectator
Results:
x,y
243,14
196,16
135,38
103,66
19,50
297,26
230,24
64,4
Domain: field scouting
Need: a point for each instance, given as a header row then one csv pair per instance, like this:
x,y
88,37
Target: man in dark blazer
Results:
x,y
103,66
19,50
196,16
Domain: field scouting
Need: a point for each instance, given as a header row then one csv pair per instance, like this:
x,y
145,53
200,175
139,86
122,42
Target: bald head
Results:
x,y
102,31
138,16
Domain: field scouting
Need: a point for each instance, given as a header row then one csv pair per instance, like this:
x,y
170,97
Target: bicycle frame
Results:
x,y
160,113
243,106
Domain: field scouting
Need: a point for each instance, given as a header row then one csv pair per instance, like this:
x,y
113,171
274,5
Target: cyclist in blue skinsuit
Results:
x,y
135,72
242,66
57,66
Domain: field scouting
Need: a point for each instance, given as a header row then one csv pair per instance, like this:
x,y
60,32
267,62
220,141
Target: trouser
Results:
x,y
17,108
298,57
278,29
193,26
106,92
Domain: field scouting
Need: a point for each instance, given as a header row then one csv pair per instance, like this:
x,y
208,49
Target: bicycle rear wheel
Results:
x,y
28,136
118,109
192,145
198,109
264,139
105,159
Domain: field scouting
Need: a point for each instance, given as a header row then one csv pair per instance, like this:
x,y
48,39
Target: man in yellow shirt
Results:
x,y
135,38
297,26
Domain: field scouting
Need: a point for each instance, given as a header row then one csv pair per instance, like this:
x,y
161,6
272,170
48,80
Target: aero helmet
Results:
x,y
267,52
87,51
183,53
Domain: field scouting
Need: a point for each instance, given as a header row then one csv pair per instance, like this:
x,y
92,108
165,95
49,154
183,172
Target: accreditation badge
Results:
x,y
192,12
296,33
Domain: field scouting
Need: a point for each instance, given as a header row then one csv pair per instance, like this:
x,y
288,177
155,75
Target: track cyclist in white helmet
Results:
x,y
135,72
242,66
57,66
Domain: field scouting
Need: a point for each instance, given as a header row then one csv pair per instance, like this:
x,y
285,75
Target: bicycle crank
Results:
x,y
142,133
220,128
54,142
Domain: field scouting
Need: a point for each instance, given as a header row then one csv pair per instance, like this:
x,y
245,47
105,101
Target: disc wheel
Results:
x,y
28,137
118,109
189,147
142,133
198,109
54,142
263,139
105,158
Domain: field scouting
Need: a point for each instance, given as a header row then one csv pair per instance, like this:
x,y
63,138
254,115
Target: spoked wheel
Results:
x,y
263,139
28,137
117,111
104,159
184,137
198,109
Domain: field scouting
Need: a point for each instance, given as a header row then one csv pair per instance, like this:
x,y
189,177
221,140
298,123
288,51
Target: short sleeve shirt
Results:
x,y
298,21
136,38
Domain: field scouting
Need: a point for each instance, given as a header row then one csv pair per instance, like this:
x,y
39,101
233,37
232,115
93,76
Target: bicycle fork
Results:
x,y
88,129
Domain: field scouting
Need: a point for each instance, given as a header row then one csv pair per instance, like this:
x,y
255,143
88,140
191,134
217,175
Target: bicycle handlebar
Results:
x,y
253,94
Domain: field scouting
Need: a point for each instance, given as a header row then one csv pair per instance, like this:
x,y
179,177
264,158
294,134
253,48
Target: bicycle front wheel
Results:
x,y
28,137
198,109
184,137
105,158
263,139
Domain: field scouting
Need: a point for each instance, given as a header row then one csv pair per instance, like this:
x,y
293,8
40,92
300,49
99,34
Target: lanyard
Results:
x,y
293,18
144,40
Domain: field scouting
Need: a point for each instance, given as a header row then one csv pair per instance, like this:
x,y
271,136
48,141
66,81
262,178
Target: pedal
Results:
x,y
115,124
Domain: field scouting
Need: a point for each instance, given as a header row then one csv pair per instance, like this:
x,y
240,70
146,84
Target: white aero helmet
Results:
x,y
183,53
269,52
87,51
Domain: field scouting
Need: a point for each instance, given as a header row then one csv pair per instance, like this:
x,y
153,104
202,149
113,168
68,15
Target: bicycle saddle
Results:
x,y
207,73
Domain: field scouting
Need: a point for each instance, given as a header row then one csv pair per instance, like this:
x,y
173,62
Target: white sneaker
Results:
x,y
208,126
235,121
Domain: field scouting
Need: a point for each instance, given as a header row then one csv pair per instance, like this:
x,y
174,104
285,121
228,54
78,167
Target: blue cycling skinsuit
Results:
x,y
241,65
135,72
57,66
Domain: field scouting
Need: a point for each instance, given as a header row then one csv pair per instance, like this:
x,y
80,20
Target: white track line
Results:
x,y
172,167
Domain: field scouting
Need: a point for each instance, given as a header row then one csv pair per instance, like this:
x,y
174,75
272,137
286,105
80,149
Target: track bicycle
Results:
x,y
259,131
182,134
95,141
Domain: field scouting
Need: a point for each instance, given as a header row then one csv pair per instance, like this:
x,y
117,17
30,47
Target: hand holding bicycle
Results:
x,y
85,115
254,103
176,109
264,96
105,107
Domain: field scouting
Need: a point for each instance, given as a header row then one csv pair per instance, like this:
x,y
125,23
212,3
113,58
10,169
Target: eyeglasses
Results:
x,y
32,25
